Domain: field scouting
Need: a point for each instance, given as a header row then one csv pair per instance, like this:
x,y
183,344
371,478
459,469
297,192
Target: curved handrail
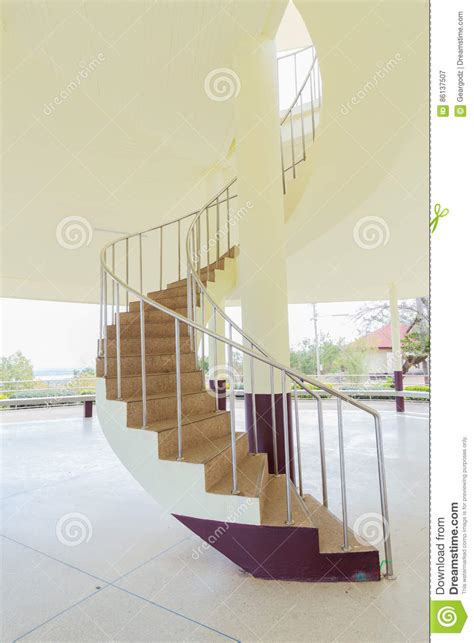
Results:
x,y
254,351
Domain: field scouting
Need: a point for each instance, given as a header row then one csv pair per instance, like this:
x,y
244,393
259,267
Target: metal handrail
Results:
x,y
195,287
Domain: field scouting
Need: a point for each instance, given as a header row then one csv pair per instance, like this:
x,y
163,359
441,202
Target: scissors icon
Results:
x,y
438,215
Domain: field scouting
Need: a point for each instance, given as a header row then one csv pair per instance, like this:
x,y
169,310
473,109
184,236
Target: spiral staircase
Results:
x,y
174,426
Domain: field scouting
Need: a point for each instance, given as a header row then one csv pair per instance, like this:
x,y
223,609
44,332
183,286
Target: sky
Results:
x,y
55,335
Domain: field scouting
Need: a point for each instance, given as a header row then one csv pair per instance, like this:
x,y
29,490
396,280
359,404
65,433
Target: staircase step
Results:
x,y
156,363
155,383
153,345
196,429
330,529
163,406
252,472
274,510
131,329
173,303
152,315
216,455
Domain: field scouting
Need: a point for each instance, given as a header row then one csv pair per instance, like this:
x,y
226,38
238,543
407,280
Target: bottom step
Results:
x,y
284,553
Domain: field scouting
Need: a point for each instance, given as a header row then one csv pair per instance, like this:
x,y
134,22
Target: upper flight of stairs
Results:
x,y
198,489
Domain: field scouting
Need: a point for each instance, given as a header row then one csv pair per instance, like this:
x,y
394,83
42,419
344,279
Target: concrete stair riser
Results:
x,y
160,329
131,365
131,345
193,435
155,383
216,468
165,407
152,315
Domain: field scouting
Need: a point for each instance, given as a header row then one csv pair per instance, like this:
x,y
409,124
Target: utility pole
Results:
x,y
316,339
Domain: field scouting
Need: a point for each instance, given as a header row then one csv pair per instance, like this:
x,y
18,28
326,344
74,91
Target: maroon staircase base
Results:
x,y
283,553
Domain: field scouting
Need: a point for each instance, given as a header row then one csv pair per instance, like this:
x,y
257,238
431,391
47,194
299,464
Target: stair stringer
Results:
x,y
178,487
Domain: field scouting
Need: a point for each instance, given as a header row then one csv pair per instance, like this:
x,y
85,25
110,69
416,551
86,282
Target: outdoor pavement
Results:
x,y
87,555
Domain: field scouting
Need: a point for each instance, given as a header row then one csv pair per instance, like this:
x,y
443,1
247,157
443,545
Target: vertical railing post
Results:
x,y
100,346
106,330
322,451
162,229
178,390
117,337
216,381
298,441
289,512
203,352
218,229
282,163
143,362
293,164
113,287
254,405
383,499
228,219
126,273
235,490
342,465
274,431
179,250
140,249
207,241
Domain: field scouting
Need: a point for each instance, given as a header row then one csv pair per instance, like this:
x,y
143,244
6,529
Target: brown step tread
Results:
x,y
164,395
209,449
147,354
172,423
330,529
150,374
274,508
250,475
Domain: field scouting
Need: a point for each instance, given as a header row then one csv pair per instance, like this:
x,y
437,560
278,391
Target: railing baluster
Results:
x,y
179,249
302,127
322,451
254,405
282,163
100,346
141,261
161,257
235,490
342,464
178,390
298,441
383,499
208,246
228,219
289,511
143,362
106,331
293,164
274,431
218,229
216,382
117,337
113,288
126,273
203,353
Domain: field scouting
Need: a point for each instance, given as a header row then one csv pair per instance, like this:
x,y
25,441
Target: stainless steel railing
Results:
x,y
305,105
208,235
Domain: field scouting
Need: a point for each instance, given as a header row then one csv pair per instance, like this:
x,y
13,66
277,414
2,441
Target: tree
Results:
x,y
416,349
81,379
375,314
303,357
16,368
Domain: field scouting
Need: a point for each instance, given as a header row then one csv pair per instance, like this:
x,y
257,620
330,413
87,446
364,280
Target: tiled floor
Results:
x,y
122,571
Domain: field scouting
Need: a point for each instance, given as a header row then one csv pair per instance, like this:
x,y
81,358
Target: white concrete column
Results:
x,y
396,346
262,261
